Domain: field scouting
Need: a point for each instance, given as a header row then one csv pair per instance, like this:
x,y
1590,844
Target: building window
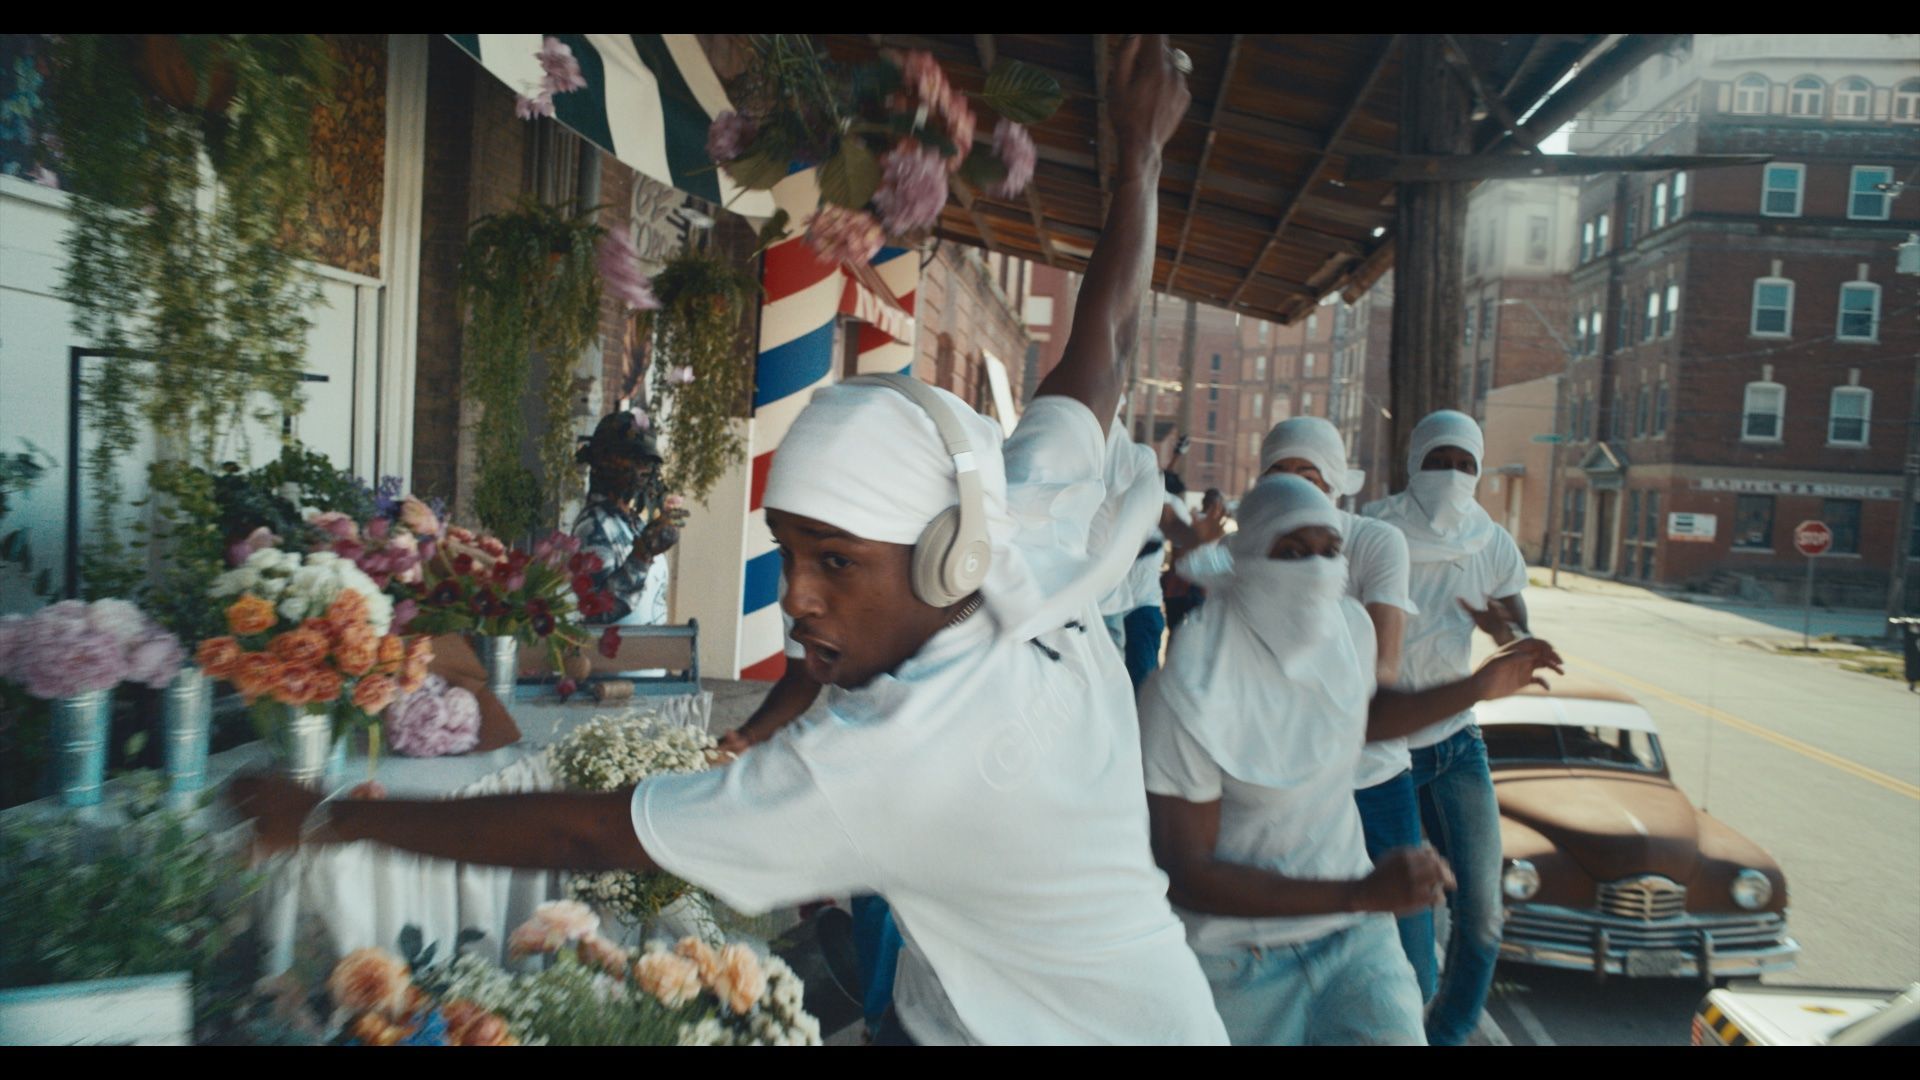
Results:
x,y
1859,311
1466,322
1216,361
1600,236
1848,414
1772,307
1750,95
1633,514
1537,228
1806,97
1263,331
1753,522
1660,205
1306,366
1781,189
1906,102
1260,362
1580,336
1597,342
1762,413
1306,404
1209,453
1213,393
1677,205
1213,420
1642,409
1868,201
1852,99
1259,406
1650,326
1586,242
1626,319
1843,517
1660,410
1667,312
1486,320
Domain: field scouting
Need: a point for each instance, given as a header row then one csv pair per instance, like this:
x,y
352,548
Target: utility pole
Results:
x,y
1187,333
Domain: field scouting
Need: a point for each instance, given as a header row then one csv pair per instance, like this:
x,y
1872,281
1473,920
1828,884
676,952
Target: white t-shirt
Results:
x,y
1378,574
1439,645
1311,830
1005,823
1142,585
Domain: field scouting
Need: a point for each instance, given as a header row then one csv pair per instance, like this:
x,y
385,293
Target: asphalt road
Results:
x,y
1820,766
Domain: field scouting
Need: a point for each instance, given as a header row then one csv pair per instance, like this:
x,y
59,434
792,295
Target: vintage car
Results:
x,y
1609,867
1753,1015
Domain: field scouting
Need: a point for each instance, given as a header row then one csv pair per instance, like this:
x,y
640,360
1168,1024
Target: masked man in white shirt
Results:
x,y
979,762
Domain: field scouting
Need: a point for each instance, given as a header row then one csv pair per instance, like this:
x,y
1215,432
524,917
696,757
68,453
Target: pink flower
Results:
x,y
620,270
58,652
156,660
922,76
405,610
839,235
960,124
526,108
44,176
739,980
562,68
256,540
673,979
566,688
336,524
1014,147
681,375
379,528
554,924
913,189
419,518
729,136
434,722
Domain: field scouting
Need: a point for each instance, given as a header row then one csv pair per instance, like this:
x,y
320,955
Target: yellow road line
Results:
x,y
1898,787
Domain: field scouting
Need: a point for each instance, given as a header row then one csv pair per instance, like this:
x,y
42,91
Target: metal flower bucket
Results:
x,y
186,709
80,724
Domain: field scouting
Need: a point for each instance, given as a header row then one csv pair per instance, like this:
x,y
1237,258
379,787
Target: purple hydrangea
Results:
x,y
620,270
436,720
1014,147
729,136
913,189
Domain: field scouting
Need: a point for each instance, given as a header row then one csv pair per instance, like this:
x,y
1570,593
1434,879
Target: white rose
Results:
x,y
293,608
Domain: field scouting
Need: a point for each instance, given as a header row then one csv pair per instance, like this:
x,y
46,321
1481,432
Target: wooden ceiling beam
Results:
x,y
1206,155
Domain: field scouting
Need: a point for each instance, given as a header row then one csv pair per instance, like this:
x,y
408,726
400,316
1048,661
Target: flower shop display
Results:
x,y
586,991
612,753
72,654
891,138
698,379
437,720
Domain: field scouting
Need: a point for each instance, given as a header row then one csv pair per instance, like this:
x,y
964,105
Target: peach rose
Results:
x,y
470,1025
251,615
370,980
356,658
373,693
596,951
740,982
393,651
702,955
324,685
301,646
347,609
420,648
217,656
255,673
289,684
419,518
670,977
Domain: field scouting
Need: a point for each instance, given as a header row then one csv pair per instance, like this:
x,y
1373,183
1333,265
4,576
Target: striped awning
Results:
x,y
648,101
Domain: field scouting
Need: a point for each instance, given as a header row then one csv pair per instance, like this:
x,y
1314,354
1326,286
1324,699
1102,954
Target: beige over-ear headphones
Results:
x,y
951,558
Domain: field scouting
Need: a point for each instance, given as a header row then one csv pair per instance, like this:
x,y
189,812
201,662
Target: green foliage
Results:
x,y
530,283
850,177
175,259
150,896
1021,92
698,326
18,472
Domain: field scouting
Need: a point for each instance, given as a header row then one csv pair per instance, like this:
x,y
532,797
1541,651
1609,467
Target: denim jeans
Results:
x,y
1390,814
1352,987
1145,626
1117,630
1462,820
877,943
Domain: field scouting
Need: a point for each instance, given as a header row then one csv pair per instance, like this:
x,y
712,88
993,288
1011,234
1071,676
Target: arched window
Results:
x,y
1852,99
1806,97
1906,102
1750,95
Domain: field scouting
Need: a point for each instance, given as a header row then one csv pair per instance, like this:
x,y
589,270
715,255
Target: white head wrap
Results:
x,y
1315,440
1440,528
1261,670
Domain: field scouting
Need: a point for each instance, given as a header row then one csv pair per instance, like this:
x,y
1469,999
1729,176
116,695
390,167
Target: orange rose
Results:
x,y
356,658
255,673
470,1025
301,646
412,677
420,648
323,685
217,656
393,651
251,615
288,683
347,609
371,980
373,693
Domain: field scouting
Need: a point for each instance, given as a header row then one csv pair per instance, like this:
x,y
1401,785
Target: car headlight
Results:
x,y
1520,881
1751,889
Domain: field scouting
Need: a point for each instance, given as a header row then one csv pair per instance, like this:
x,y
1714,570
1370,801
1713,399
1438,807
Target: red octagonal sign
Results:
x,y
1812,537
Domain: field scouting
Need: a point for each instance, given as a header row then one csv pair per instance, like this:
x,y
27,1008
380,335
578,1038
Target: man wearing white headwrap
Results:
x,y
1251,735
978,762
1466,571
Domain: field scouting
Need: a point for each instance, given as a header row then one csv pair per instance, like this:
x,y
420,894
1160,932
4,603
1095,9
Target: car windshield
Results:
x,y
1568,744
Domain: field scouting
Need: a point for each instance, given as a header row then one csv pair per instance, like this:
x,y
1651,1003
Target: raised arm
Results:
x,y
1395,713
1146,99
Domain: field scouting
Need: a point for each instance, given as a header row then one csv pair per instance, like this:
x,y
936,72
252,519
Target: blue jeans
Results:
x,y
876,941
1349,988
1390,814
1145,625
1463,821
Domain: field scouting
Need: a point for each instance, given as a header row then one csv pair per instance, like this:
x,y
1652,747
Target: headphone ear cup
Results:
x,y
930,578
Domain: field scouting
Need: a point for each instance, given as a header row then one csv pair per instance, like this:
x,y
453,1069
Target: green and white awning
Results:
x,y
648,101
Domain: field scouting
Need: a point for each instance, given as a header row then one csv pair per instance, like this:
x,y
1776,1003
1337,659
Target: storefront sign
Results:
x,y
1795,487
1692,528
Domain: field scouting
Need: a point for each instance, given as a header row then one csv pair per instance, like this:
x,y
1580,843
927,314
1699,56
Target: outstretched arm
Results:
x,y
1147,98
1395,713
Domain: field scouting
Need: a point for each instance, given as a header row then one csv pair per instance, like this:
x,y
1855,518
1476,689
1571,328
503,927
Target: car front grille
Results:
x,y
1645,898
1550,926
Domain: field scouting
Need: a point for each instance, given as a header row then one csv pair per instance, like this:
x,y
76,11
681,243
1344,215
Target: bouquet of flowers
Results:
x,y
311,634
889,138
612,753
476,584
436,720
73,647
590,992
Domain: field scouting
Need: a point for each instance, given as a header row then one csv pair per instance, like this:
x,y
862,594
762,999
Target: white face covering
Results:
x,y
1445,494
1291,605
1438,513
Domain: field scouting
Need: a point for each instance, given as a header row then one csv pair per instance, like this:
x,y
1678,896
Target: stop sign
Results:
x,y
1812,538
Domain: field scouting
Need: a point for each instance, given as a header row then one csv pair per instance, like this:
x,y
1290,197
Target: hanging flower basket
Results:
x,y
163,65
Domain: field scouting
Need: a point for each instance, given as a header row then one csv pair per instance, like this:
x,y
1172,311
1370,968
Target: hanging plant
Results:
x,y
700,379
530,283
185,153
